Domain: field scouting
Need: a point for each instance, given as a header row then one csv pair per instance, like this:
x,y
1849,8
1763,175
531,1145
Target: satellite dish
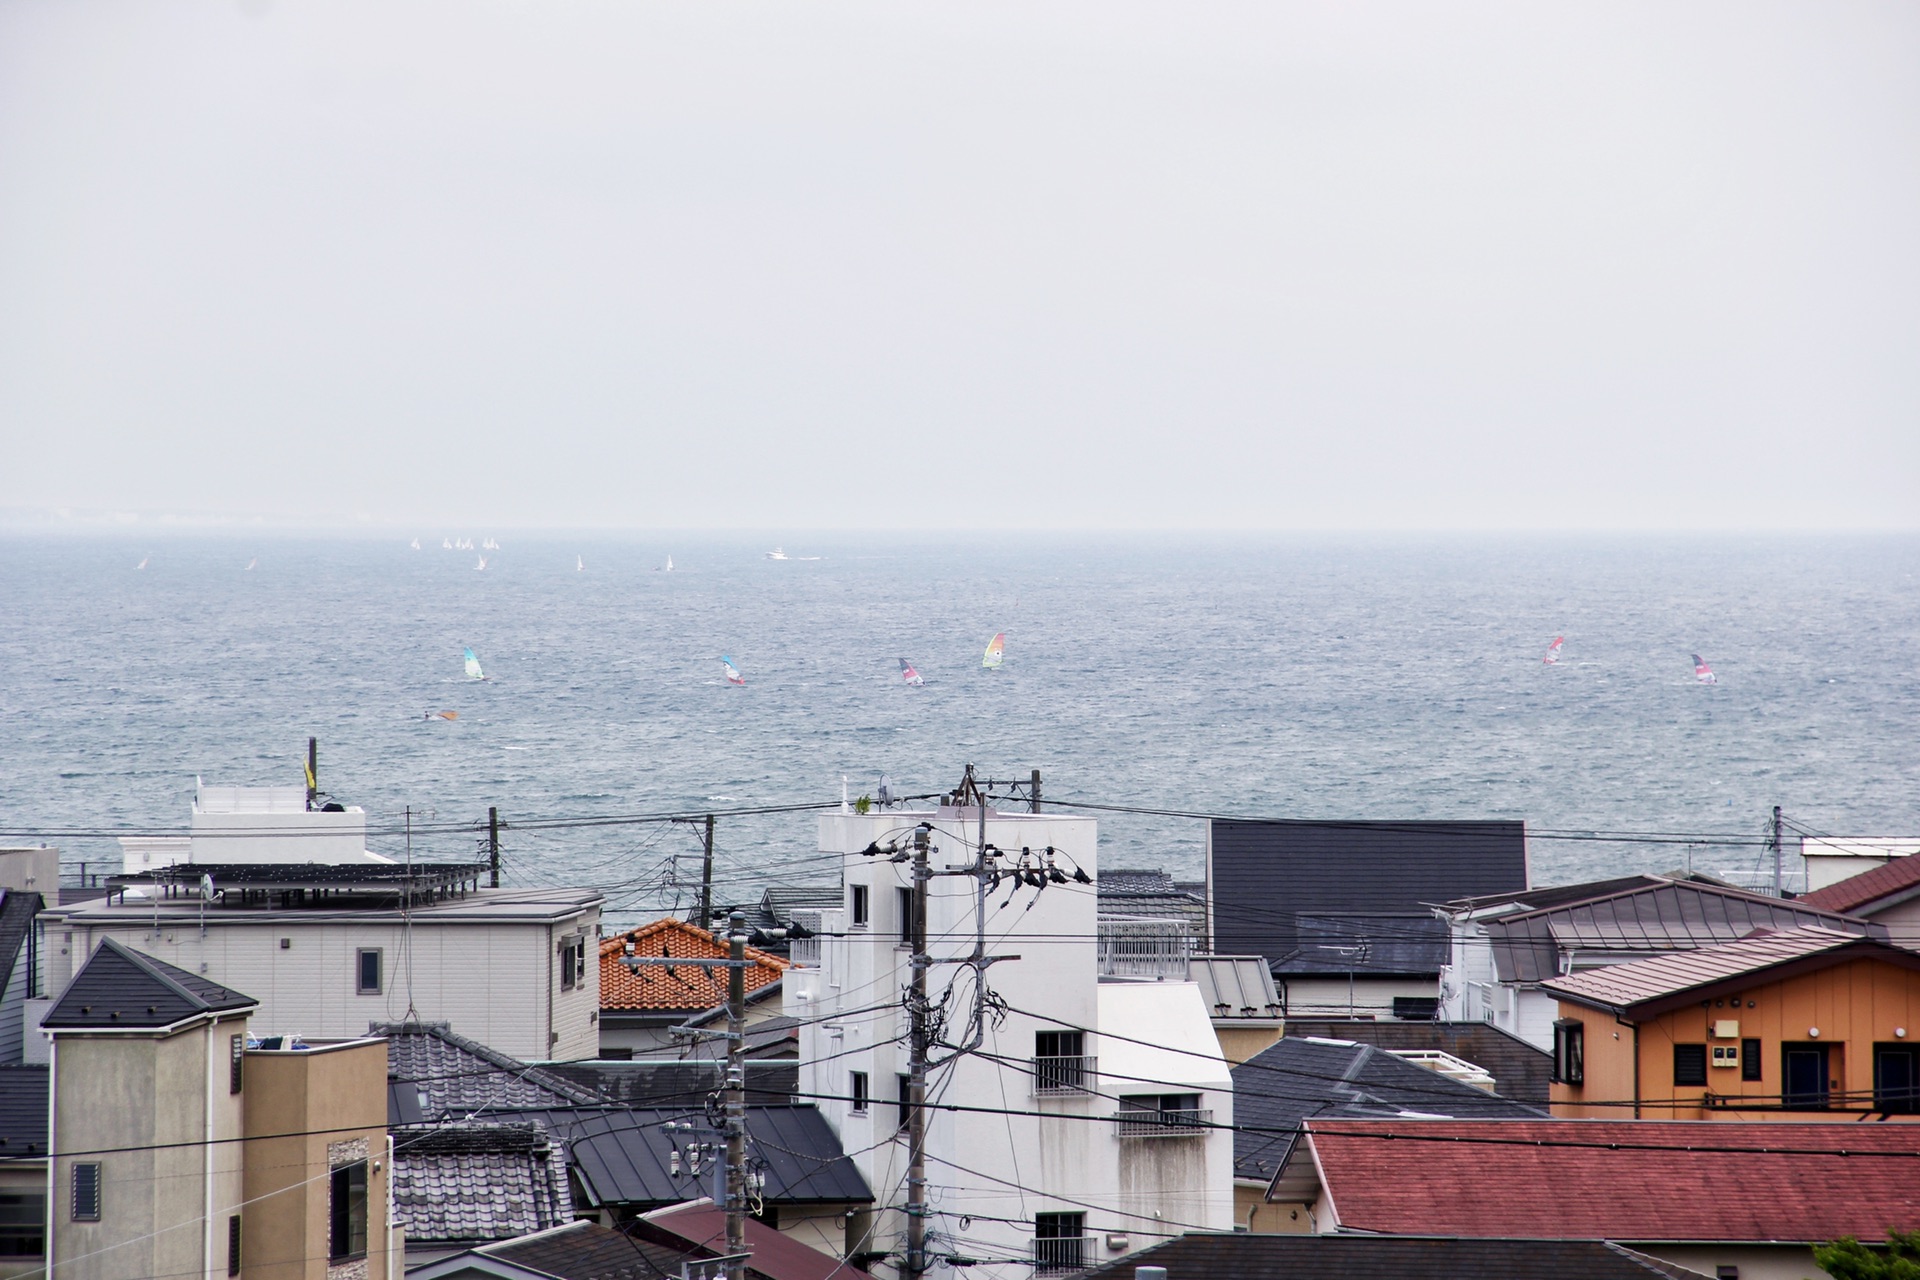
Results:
x,y
206,888
886,791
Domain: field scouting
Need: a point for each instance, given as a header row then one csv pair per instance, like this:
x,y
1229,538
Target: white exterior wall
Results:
x,y
983,1166
1471,991
497,982
1362,996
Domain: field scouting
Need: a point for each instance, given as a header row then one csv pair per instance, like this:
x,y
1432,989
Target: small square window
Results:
x,y
1689,1065
859,906
903,906
368,971
857,1088
347,1212
86,1192
573,962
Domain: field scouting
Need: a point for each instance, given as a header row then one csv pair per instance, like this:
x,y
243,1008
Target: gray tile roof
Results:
x,y
1520,1071
1249,1256
1123,880
461,1076
1657,915
1234,986
121,987
1296,1079
1265,874
478,1183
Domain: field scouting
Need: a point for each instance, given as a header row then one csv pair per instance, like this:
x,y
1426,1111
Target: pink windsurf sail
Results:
x,y
1553,651
1702,672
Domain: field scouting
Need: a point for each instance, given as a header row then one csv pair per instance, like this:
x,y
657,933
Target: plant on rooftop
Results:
x,y
1848,1259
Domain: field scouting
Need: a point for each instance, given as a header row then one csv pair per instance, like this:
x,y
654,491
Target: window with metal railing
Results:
x,y
1061,1064
1162,1115
1060,1242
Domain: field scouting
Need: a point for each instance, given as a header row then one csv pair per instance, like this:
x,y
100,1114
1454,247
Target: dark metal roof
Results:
x,y
1130,880
1658,916
1248,1256
624,1157
1520,1071
120,987
1366,943
1296,1078
23,1111
1265,874
587,1251
678,1082
18,907
1647,987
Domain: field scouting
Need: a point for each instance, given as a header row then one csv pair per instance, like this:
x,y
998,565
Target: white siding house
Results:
x,y
493,964
1041,1148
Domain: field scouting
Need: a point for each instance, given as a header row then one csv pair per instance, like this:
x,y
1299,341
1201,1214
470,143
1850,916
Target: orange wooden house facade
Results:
x,y
1798,1024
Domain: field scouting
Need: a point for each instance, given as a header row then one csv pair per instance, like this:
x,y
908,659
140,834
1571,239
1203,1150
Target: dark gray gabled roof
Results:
x,y
1520,1071
1245,1255
681,1082
1646,919
18,907
1296,1079
1366,943
625,1158
120,987
1265,874
23,1111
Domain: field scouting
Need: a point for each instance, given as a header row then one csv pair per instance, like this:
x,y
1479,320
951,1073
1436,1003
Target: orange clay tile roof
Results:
x,y
666,985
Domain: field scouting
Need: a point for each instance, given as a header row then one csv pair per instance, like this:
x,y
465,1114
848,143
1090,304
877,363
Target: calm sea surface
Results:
x,y
1314,677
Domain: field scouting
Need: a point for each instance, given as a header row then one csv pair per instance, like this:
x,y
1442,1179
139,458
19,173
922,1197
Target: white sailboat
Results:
x,y
253,564
473,667
415,544
579,564
777,554
143,562
668,566
482,564
446,544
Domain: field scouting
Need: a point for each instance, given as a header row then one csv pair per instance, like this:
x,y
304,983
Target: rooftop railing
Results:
x,y
1143,947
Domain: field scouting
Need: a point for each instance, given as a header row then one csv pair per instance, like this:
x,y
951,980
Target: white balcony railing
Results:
x,y
1063,1253
1063,1076
1187,1123
1143,947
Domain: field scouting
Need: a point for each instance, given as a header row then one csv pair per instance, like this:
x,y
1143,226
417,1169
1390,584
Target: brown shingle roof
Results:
x,y
1868,886
666,985
1629,1180
1642,982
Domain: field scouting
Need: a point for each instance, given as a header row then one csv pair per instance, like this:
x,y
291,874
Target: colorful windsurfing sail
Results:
x,y
1553,651
473,667
996,650
908,674
733,672
1702,672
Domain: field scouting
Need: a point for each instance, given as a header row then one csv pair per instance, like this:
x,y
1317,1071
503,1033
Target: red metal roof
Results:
x,y
666,985
1868,886
1631,1180
777,1256
1619,986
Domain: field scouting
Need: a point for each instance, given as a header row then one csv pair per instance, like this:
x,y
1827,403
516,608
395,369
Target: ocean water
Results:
x,y
1323,677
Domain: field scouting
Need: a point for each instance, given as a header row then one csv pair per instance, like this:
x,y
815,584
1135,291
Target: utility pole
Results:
x,y
1033,803
313,771
916,1260
736,1089
1773,842
493,845
706,883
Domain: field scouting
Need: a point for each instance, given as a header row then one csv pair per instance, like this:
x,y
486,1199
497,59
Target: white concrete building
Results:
x,y
256,825
331,951
1085,1124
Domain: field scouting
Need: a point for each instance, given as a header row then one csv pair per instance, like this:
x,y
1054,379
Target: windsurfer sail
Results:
x,y
415,544
1702,672
908,674
1553,651
473,667
996,650
253,563
482,564
733,672
579,564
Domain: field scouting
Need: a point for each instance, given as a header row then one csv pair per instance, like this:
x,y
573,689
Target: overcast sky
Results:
x,y
1108,265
